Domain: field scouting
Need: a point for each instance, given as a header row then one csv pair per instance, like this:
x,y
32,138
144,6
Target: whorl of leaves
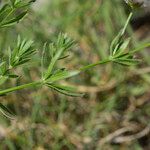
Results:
x,y
12,13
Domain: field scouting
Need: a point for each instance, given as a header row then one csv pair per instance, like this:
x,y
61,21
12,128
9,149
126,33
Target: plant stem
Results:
x,y
95,64
3,92
127,22
141,47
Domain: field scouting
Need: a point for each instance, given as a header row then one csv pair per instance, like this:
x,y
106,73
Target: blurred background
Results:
x,y
115,112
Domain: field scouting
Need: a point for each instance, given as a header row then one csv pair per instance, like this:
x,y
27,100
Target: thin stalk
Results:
x,y
139,48
95,64
20,87
127,22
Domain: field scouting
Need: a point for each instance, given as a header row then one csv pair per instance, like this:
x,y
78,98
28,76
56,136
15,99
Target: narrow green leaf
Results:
x,y
14,20
6,112
65,90
115,42
63,57
12,76
62,75
4,9
127,62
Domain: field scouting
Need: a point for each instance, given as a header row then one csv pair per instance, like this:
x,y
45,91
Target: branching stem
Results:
x,y
82,69
37,83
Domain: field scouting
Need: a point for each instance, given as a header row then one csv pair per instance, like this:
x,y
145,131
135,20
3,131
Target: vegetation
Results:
x,y
109,95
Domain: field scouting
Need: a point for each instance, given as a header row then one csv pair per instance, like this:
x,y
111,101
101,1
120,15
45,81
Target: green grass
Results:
x,y
116,97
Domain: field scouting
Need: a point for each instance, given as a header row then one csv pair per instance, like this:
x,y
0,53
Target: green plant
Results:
x,y
50,77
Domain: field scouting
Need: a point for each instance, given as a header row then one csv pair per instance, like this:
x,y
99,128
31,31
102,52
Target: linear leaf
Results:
x,y
65,90
6,112
62,75
14,20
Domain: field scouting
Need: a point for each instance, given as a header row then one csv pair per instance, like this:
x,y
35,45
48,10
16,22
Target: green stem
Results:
x,y
3,92
95,64
127,22
141,47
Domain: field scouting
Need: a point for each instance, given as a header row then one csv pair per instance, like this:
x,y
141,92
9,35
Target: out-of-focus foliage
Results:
x,y
116,107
